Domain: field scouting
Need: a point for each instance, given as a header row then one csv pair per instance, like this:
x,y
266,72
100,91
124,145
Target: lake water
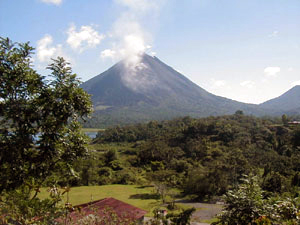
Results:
x,y
91,134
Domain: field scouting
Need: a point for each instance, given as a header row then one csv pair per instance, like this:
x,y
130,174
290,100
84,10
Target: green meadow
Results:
x,y
139,196
91,129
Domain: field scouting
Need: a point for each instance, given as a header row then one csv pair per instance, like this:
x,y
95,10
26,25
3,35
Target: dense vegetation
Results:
x,y
248,204
206,158
203,157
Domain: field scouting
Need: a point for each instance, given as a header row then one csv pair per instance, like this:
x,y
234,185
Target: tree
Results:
x,y
273,183
239,113
246,205
182,218
284,119
296,138
39,128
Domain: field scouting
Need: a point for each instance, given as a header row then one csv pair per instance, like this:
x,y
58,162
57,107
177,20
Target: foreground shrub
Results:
x,y
246,205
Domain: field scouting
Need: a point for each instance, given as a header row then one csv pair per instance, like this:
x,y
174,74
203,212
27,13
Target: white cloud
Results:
x,y
108,53
247,84
271,71
217,83
274,34
85,38
46,50
295,83
218,87
139,5
55,2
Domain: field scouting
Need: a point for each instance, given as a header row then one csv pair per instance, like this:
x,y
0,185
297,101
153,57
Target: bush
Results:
x,y
246,205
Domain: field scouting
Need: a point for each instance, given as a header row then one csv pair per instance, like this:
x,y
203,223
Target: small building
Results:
x,y
294,123
162,212
102,211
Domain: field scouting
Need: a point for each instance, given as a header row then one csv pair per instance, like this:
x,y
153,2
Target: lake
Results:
x,y
91,134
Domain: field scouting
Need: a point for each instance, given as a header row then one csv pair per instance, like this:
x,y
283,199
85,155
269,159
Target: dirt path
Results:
x,y
192,223
203,212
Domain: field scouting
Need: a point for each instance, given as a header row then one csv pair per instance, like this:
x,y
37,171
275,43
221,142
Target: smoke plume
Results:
x,y
130,39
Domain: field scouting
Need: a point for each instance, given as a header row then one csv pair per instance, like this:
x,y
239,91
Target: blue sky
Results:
x,y
246,50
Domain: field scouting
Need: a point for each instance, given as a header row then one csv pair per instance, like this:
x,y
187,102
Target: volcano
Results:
x,y
152,90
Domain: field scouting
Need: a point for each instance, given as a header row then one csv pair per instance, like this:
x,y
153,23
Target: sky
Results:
x,y
246,50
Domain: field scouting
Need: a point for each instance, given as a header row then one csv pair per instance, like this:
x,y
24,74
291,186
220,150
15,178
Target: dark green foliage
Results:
x,y
246,205
206,184
239,112
40,136
109,156
206,157
108,164
139,132
20,206
284,119
296,138
182,218
296,180
273,183
39,131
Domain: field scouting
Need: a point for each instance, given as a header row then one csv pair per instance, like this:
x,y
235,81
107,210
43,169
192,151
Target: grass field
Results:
x,y
92,129
139,196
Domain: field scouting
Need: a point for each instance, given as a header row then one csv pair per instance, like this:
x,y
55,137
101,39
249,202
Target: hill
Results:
x,y
288,103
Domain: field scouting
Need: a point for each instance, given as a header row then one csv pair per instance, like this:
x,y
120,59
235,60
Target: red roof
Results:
x,y
101,207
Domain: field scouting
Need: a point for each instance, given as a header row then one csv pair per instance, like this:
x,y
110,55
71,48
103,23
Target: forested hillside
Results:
x,y
202,157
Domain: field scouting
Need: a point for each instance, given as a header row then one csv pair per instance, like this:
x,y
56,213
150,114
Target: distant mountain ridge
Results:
x,y
289,102
155,91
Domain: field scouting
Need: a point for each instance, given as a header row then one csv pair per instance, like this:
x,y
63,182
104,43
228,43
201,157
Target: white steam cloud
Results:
x,y
130,39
